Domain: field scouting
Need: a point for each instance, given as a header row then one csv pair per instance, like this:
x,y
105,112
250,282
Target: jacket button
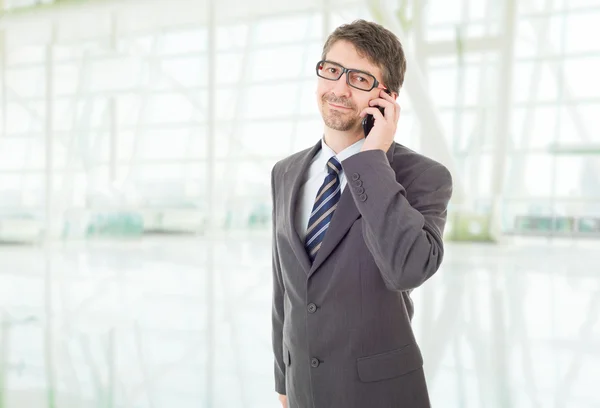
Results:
x,y
359,190
363,197
312,308
355,176
314,362
357,183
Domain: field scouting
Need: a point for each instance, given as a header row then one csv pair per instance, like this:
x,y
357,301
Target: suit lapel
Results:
x,y
344,216
292,179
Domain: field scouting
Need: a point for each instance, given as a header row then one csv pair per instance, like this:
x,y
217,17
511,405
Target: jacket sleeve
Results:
x,y
277,307
402,225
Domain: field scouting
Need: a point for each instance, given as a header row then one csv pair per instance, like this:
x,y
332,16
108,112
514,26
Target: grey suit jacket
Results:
x,y
342,335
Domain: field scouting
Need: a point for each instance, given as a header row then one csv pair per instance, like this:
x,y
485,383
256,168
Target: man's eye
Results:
x,y
333,70
361,79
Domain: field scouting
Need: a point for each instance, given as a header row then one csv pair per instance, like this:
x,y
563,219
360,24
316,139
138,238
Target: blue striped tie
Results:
x,y
325,204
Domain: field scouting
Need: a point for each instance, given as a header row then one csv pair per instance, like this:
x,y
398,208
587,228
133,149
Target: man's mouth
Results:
x,y
338,106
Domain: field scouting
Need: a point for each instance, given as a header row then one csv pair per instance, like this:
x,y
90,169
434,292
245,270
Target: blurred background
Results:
x,y
136,143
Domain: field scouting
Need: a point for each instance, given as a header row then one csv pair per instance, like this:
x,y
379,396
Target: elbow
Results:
x,y
415,269
406,281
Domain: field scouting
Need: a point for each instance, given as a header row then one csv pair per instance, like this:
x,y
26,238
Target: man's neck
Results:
x,y
338,140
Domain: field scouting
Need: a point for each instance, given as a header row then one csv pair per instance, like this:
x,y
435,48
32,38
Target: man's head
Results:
x,y
363,46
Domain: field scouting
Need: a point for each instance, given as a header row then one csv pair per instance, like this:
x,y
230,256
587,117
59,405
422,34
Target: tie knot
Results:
x,y
334,166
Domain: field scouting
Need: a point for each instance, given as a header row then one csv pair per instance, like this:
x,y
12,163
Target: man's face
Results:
x,y
339,103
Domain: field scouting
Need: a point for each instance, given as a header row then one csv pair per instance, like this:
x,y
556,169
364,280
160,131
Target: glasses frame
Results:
x,y
347,71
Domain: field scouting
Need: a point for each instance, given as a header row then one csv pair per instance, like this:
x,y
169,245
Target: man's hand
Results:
x,y
283,400
383,132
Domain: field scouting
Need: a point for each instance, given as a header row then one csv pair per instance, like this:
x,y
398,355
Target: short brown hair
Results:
x,y
378,44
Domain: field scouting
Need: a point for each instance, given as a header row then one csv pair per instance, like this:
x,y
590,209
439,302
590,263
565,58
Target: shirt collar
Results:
x,y
344,154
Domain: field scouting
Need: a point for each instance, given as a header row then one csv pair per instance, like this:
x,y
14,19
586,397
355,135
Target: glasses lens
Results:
x,y
361,80
329,70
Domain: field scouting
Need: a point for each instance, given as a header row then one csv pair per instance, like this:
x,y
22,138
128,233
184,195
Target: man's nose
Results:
x,y
341,87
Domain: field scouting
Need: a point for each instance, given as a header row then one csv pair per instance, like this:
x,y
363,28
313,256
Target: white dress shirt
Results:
x,y
313,179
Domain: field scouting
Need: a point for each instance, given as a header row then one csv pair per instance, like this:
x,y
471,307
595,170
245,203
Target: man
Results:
x,y
357,224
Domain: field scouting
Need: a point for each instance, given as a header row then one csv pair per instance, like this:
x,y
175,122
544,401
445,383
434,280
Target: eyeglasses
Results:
x,y
333,71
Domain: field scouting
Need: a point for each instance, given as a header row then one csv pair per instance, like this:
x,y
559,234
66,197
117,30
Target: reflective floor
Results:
x,y
132,323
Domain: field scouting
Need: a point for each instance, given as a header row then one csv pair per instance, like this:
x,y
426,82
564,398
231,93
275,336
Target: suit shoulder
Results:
x,y
281,166
409,164
407,155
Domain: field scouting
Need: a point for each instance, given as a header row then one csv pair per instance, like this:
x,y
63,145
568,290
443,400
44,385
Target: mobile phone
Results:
x,y
369,120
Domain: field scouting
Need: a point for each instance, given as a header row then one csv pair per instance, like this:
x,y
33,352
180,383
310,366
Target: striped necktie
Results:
x,y
325,204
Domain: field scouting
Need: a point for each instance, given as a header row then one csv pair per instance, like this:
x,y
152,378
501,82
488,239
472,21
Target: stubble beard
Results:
x,y
338,120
